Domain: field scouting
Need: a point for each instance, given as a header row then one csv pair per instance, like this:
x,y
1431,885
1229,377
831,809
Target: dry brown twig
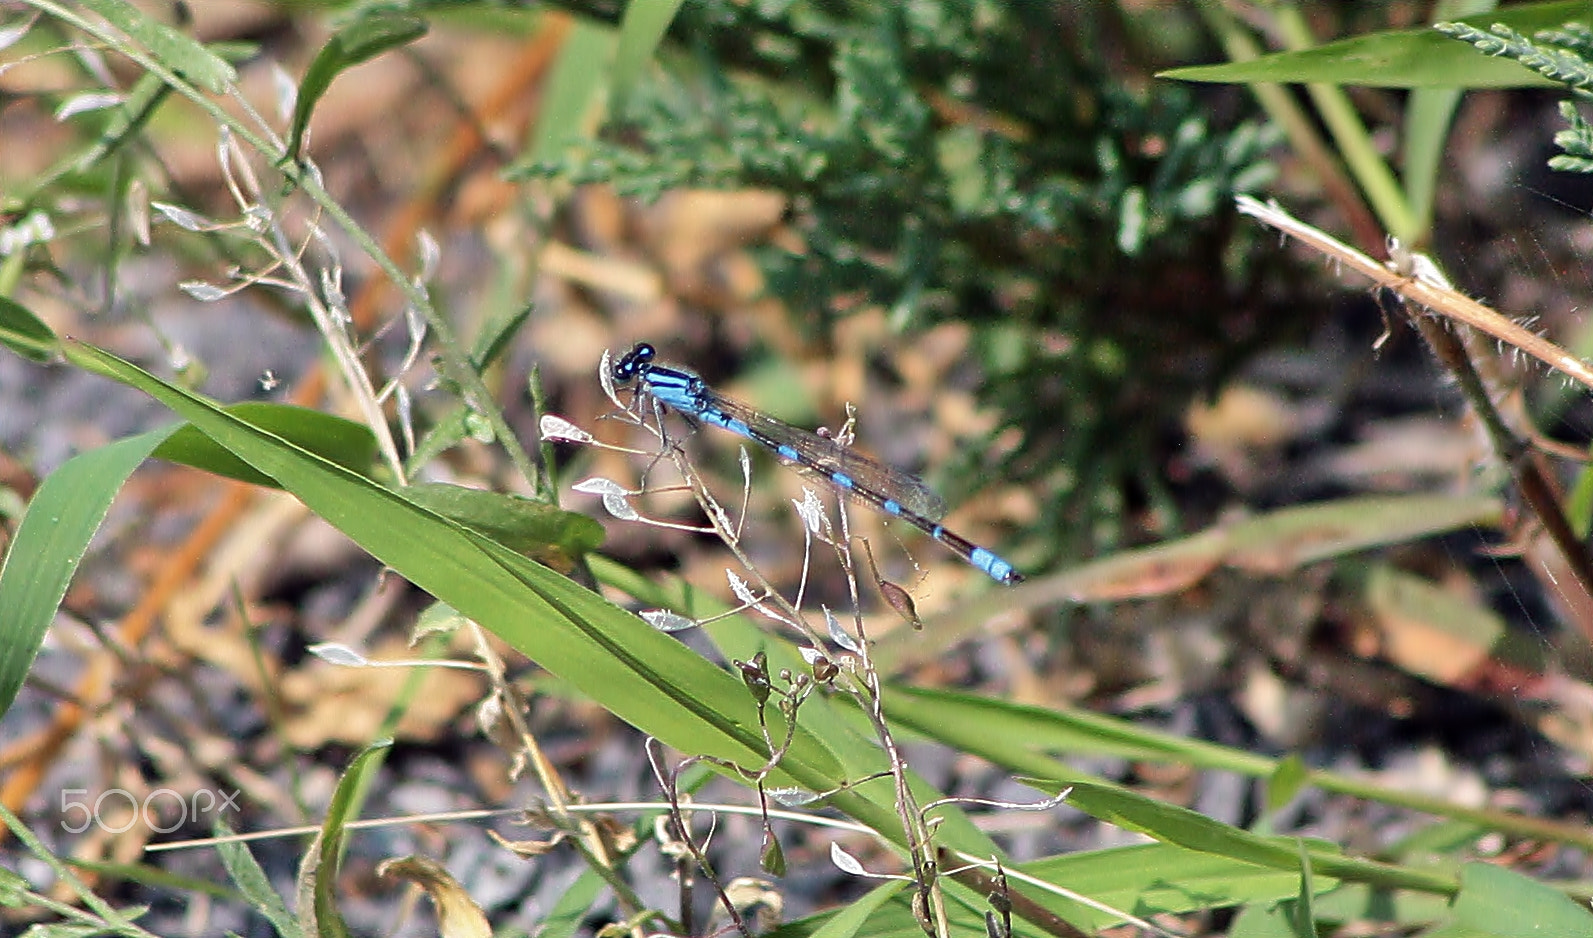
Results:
x,y
1423,291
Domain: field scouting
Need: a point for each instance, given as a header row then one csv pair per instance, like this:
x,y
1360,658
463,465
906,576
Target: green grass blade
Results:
x,y
26,334
1182,827
334,439
1023,738
1409,58
254,884
641,30
1265,920
549,534
1427,116
54,534
569,914
574,90
368,35
1144,879
180,53
589,643
1028,729
849,921
1159,878
329,845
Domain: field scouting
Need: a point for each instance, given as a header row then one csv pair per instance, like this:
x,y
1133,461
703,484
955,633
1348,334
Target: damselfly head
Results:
x,y
632,363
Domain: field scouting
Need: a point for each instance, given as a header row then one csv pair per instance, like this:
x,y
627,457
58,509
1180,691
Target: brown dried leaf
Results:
x,y
458,916
1428,630
529,849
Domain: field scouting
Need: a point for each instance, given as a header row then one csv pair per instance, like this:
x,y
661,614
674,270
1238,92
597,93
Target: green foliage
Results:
x,y
1576,140
1561,55
955,160
1546,57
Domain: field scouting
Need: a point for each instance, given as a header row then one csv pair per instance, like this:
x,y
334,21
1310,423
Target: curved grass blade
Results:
x,y
26,334
50,543
367,36
327,853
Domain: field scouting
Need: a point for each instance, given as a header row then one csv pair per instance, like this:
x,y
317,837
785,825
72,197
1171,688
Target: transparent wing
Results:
x,y
827,456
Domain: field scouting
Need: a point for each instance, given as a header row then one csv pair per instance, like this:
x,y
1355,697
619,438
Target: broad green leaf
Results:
x,y
50,543
570,913
529,527
1286,781
26,334
368,35
334,439
1410,58
1264,920
1499,901
545,532
1359,902
849,921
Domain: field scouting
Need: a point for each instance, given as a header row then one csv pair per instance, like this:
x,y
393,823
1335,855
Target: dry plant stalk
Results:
x,y
1440,298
